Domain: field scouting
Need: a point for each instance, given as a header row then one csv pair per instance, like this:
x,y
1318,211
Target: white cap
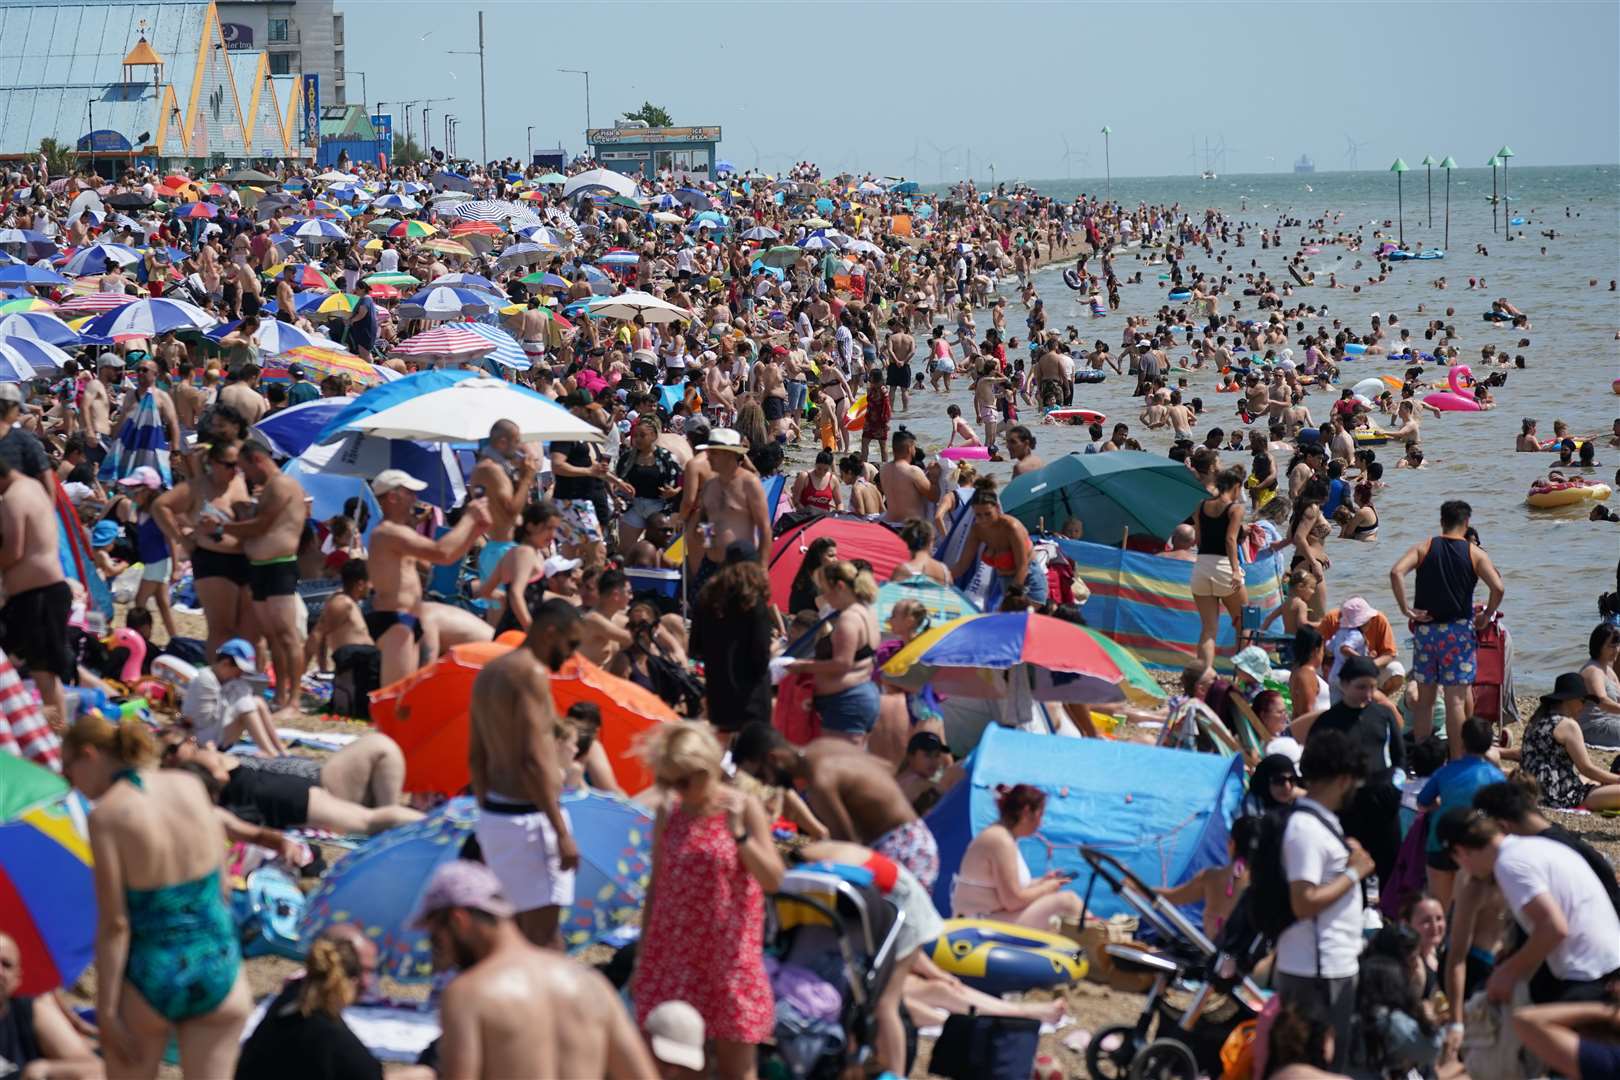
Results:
x,y
675,1030
559,565
389,479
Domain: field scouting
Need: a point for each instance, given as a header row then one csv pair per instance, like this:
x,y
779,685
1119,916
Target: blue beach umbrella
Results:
x,y
14,366
388,395
315,229
41,326
378,886
30,242
1128,489
274,336
42,356
469,281
447,302
149,318
394,201
294,429
34,274
942,602
99,258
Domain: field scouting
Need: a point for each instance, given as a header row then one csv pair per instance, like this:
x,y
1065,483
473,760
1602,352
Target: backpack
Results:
x,y
680,689
356,672
1272,909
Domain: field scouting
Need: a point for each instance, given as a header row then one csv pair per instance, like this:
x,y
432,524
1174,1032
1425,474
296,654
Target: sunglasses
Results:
x,y
1283,781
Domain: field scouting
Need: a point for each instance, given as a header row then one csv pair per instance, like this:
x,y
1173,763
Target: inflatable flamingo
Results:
x,y
1458,398
129,639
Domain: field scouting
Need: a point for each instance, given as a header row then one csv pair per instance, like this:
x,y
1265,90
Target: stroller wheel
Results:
x,y
1111,1051
1164,1059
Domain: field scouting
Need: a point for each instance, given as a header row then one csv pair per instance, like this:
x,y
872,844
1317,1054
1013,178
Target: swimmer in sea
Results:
x,y
1527,443
1413,458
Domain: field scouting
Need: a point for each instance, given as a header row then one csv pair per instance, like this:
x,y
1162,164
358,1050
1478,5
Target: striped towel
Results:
x,y
142,440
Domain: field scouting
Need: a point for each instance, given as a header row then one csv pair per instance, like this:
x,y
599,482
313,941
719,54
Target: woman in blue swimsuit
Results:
x,y
166,949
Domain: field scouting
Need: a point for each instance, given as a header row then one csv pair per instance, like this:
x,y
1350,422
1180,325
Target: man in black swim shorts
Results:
x,y
37,595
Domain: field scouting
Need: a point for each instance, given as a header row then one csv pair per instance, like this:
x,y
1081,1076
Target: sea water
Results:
x,y
1555,563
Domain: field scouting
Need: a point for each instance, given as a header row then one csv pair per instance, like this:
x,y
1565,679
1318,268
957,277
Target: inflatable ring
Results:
x,y
1076,415
965,453
1179,294
1497,316
855,415
1354,348
1072,279
1000,958
1096,375
1371,438
1566,494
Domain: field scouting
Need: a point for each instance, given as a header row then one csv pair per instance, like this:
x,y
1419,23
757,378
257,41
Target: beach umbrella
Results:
x,y
521,254
387,395
942,602
1127,490
426,714
14,366
857,537
149,318
761,233
324,359
41,357
29,242
41,326
411,229
394,278
1502,155
360,455
444,343
628,305
322,303
47,891
1398,169
273,336
304,276
294,429
25,786
475,282
547,236
619,257
315,230
379,886
599,180
507,353
95,303
464,412
19,304
1448,164
551,178
393,201
248,176
542,279
462,229
486,210
30,274
381,225
819,243
782,256
99,258
447,302
445,246
197,211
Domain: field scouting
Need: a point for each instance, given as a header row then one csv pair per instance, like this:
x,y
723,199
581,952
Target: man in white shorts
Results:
x,y
517,773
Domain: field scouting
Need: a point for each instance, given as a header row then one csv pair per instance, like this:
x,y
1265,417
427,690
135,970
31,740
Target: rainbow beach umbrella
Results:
x,y
318,362
1012,655
47,893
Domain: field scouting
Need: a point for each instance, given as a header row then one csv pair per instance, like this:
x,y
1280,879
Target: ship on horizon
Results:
x,y
1304,164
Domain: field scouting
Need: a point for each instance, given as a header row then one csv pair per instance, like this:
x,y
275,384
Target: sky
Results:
x,y
929,90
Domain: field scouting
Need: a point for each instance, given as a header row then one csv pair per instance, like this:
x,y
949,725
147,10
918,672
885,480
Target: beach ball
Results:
x,y
1046,1068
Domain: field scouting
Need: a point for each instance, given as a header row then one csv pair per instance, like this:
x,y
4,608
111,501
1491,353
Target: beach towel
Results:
x,y
141,440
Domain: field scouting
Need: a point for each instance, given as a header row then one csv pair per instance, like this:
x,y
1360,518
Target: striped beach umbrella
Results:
x,y
447,303
41,326
468,281
395,201
273,336
99,258
41,357
448,344
507,352
14,366
394,278
95,303
411,229
47,891
320,361
445,246
149,318
197,211
316,230
476,228
317,303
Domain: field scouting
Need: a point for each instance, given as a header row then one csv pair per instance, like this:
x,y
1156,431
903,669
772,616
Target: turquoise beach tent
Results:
x,y
1163,813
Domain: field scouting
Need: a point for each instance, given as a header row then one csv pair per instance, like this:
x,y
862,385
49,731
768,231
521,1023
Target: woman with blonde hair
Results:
x,y
303,1033
701,927
166,946
846,698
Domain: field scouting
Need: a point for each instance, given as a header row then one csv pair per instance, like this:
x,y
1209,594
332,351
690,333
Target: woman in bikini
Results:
x,y
1003,543
219,567
994,881
846,698
1220,888
1217,578
817,489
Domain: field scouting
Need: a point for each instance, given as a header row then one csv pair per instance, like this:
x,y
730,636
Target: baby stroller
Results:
x,y
829,920
1178,1039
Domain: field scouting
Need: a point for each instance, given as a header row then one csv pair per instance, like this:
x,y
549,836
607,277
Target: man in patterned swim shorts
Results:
x,y
1444,625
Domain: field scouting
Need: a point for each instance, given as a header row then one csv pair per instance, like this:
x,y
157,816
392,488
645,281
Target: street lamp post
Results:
x,y
529,145
427,132
580,71
483,114
1108,163
449,147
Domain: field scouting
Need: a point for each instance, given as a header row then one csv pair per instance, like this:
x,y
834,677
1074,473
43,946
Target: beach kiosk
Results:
x,y
633,148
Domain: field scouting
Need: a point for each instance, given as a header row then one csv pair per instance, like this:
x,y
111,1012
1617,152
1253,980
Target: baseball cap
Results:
x,y
241,652
110,359
1357,667
675,1031
559,565
390,479
142,476
296,370
925,742
464,884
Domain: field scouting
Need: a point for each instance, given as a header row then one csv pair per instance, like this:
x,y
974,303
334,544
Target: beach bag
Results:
x,y
1409,876
795,715
356,672
1270,910
1490,670
975,1047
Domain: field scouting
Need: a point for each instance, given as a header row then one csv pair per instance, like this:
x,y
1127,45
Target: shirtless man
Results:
x,y
1021,448
397,551
856,796
864,497
146,386
908,492
505,472
515,1010
532,330
985,388
341,622
270,542
189,400
98,402
770,388
517,773
1408,429
38,599
733,502
603,631
1055,389
239,394
897,353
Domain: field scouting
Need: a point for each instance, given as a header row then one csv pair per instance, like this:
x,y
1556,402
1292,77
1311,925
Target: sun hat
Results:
x,y
675,1032
724,439
390,479
104,534
1253,662
1355,612
241,653
464,884
1567,687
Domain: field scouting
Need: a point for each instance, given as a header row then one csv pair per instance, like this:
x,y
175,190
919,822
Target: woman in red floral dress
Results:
x,y
702,929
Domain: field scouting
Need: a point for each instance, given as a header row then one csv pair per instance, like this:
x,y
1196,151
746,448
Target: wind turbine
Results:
x,y
915,160
942,155
1351,148
755,147
1067,158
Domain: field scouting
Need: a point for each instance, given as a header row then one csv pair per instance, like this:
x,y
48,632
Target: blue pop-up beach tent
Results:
x,y
1163,813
